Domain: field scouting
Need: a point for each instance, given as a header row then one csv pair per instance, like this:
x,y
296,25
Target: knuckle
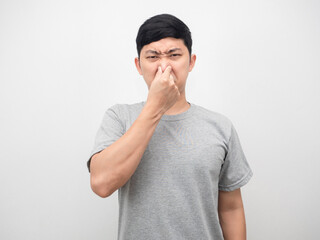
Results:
x,y
164,80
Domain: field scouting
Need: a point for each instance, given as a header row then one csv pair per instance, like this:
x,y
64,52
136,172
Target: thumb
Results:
x,y
159,72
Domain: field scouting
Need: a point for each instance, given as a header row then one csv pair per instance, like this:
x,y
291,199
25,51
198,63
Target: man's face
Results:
x,y
165,52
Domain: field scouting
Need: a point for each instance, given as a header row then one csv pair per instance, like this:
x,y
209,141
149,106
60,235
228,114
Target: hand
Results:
x,y
163,92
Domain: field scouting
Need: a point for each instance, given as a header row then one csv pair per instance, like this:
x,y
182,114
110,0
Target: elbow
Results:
x,y
99,182
100,187
101,193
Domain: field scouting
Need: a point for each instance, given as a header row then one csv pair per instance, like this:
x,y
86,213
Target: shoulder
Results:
x,y
217,119
125,113
122,109
129,106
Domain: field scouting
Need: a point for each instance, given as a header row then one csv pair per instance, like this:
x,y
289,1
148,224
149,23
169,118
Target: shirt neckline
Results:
x,y
186,114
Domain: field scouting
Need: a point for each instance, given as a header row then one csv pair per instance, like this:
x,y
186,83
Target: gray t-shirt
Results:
x,y
173,194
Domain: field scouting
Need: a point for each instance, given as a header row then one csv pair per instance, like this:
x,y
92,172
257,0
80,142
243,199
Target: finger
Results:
x,y
167,71
158,73
174,77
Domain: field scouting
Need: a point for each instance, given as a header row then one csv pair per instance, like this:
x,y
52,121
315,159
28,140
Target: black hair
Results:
x,y
163,26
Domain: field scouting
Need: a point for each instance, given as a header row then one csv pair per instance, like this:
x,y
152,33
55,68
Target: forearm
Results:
x,y
233,224
112,167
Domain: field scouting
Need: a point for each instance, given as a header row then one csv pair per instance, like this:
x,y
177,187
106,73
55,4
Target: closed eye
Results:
x,y
175,55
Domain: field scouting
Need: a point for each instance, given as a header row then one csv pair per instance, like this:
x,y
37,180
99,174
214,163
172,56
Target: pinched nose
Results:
x,y
164,64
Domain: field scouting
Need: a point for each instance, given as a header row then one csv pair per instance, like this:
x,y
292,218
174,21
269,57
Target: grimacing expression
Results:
x,y
166,52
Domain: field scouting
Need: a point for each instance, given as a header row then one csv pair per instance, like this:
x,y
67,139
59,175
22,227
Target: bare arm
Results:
x,y
112,168
231,215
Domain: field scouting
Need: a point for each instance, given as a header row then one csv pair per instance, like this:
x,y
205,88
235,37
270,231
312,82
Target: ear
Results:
x,y
137,63
192,62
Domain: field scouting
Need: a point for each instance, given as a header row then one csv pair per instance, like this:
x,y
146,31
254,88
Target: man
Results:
x,y
177,166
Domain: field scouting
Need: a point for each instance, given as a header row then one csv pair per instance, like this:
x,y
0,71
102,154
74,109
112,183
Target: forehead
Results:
x,y
164,45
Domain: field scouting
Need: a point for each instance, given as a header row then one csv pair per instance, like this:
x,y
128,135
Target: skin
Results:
x,y
169,59
231,215
163,53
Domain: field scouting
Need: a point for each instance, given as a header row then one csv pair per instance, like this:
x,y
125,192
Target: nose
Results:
x,y
164,63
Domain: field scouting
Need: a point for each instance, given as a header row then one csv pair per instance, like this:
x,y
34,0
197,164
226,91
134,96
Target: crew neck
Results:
x,y
188,113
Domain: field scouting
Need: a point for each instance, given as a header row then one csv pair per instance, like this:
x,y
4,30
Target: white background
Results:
x,y
63,63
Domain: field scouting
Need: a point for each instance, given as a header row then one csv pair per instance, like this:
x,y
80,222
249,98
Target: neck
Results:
x,y
179,107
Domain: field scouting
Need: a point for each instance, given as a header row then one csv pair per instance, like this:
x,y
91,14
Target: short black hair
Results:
x,y
163,26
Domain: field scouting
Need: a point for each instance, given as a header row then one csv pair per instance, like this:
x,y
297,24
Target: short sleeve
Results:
x,y
235,171
110,130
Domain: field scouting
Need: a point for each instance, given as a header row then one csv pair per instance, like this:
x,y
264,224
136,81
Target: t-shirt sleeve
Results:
x,y
235,171
110,130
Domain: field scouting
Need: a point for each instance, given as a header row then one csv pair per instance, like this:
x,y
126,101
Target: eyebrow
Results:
x,y
157,53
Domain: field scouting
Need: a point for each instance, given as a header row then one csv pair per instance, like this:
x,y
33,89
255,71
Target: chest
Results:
x,y
196,150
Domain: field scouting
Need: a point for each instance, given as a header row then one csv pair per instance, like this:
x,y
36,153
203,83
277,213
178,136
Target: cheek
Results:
x,y
149,72
181,70
149,69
